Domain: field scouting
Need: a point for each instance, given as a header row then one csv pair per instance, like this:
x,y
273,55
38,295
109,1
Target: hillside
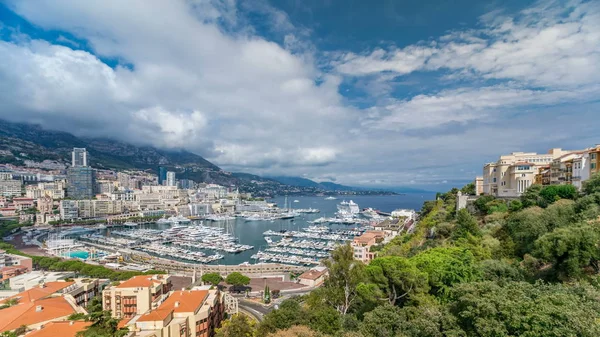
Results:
x,y
22,142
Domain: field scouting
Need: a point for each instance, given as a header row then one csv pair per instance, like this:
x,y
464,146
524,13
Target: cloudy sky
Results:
x,y
372,93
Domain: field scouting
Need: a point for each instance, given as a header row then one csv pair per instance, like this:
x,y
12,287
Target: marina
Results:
x,y
302,235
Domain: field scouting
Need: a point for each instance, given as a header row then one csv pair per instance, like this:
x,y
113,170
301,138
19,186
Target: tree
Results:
x,y
397,277
267,295
447,267
515,205
345,274
238,326
296,331
468,189
290,313
592,185
570,250
525,227
465,224
237,279
554,193
481,203
531,196
384,321
212,278
524,309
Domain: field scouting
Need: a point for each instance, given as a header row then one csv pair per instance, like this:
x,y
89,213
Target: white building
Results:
x,y
68,209
171,181
11,188
581,170
79,157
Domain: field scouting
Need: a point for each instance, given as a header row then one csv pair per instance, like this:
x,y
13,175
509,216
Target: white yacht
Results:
x,y
348,208
179,219
330,198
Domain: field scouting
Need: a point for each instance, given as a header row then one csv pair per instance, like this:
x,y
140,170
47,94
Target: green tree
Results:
x,y
237,326
592,185
466,225
570,250
237,279
531,196
325,320
290,313
524,309
525,227
397,277
447,267
481,204
212,278
554,193
345,274
515,205
468,189
384,321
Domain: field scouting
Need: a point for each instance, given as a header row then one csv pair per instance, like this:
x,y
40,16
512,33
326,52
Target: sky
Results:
x,y
378,93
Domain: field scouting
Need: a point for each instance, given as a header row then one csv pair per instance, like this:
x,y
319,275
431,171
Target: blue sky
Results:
x,y
369,93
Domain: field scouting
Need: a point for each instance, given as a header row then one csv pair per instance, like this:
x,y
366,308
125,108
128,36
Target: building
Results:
x,y
45,204
512,174
594,156
69,209
136,296
12,271
171,181
80,183
186,184
184,313
362,245
38,306
60,328
10,260
478,185
581,170
313,277
79,157
11,188
162,175
83,290
34,278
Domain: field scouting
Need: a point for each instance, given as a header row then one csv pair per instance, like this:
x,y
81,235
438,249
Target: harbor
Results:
x,y
297,236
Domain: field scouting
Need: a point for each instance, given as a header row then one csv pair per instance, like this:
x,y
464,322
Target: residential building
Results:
x,y
362,245
60,328
512,174
45,204
11,260
69,209
11,188
171,181
581,170
123,179
83,290
80,183
594,155
79,157
478,185
162,175
313,277
34,278
193,313
136,296
22,204
12,271
38,306
105,186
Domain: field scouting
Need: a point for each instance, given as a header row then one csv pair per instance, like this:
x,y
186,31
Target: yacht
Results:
x,y
370,213
348,208
130,224
330,198
179,219
296,200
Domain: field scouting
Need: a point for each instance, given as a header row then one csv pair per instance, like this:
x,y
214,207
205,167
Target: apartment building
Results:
x,y
74,209
313,277
9,260
362,245
136,296
512,174
11,188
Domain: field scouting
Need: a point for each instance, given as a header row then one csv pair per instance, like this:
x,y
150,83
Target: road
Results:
x,y
258,310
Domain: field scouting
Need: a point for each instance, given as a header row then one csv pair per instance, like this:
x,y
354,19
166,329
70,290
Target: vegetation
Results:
x,y
237,279
212,278
527,267
103,325
9,227
238,326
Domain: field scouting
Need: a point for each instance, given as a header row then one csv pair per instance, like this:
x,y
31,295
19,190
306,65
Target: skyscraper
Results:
x,y
79,157
80,182
171,179
162,175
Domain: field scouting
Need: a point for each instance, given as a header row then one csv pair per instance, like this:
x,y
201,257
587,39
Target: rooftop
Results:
x,y
62,328
39,292
313,274
32,312
178,301
142,281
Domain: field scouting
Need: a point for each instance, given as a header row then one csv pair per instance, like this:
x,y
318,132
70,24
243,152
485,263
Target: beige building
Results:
x,y
136,296
478,185
185,313
362,245
512,174
313,277
10,188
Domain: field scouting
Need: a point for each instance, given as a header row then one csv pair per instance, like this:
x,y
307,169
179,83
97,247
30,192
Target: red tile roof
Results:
x,y
178,301
39,292
26,313
62,329
141,281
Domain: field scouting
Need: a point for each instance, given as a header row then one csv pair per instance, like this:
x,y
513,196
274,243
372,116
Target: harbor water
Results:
x,y
251,232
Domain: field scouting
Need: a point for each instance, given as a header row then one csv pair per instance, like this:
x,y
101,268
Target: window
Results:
x,y
494,180
593,166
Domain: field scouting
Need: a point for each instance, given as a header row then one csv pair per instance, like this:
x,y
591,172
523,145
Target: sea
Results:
x,y
251,232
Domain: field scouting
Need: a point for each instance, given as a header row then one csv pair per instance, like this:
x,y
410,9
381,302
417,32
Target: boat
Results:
x,y
370,213
179,219
296,200
330,198
163,221
348,208
268,239
130,224
307,210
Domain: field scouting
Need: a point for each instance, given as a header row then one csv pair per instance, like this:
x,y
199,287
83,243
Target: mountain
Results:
x,y
22,142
